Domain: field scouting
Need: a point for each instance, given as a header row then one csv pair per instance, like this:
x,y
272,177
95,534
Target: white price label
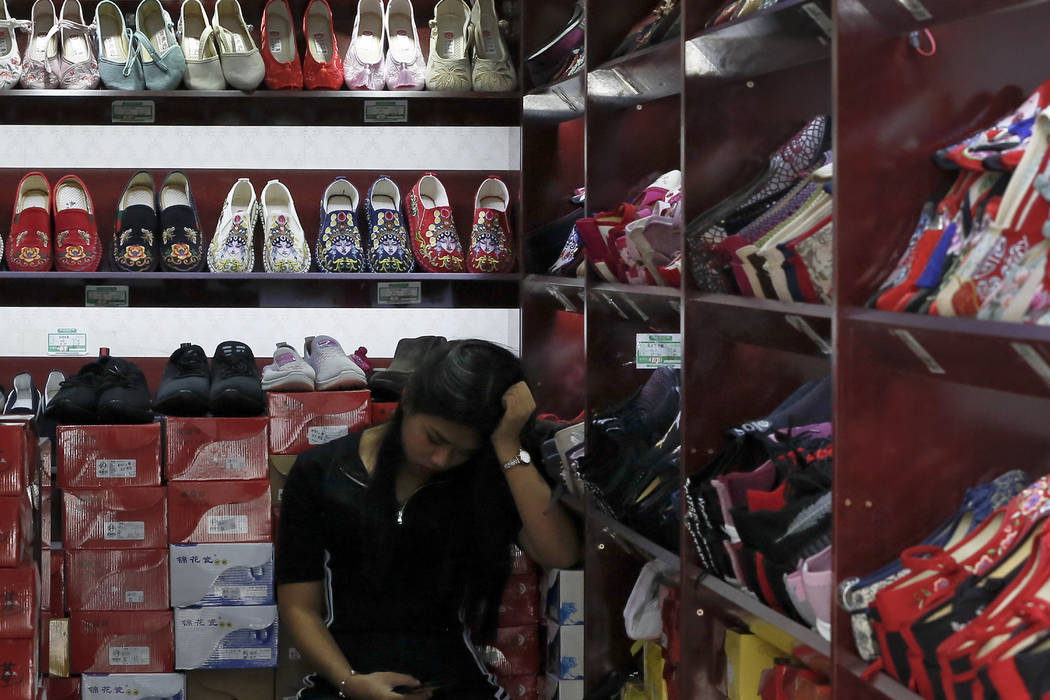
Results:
x,y
130,530
245,654
654,350
237,464
227,524
115,468
320,434
239,592
134,597
129,656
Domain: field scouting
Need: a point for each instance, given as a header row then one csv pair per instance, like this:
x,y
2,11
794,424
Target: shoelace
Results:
x,y
236,365
190,364
23,24
134,46
88,30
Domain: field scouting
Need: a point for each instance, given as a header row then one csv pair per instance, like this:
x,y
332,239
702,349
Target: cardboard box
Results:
x,y
137,641
520,604
515,652
16,530
216,449
299,421
563,591
19,668
746,657
280,465
117,579
230,684
565,651
19,596
522,687
154,686
53,593
62,688
221,574
230,637
382,411
556,689
17,456
291,669
135,517
106,456
59,652
219,511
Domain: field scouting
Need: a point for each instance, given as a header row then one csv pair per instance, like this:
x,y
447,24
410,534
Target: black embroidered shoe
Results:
x,y
181,240
236,387
185,384
135,231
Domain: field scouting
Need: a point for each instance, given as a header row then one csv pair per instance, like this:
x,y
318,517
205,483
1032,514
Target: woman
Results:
x,y
402,533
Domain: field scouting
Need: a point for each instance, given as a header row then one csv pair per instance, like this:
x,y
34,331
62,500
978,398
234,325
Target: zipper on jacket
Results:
x,y
401,510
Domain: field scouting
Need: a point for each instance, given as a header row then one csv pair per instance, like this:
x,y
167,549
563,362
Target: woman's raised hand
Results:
x,y
518,405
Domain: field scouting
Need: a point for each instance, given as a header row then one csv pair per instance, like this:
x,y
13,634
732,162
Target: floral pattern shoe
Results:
x,y
29,243
77,245
135,231
388,246
232,247
10,59
490,239
284,244
404,67
448,67
36,72
493,67
339,241
181,240
363,65
74,61
435,242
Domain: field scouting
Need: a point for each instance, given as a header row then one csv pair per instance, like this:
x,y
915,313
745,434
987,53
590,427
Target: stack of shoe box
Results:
x,y
299,421
115,536
221,552
19,580
563,592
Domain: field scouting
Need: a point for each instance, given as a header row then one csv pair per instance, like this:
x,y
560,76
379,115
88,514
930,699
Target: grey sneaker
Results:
x,y
333,369
289,372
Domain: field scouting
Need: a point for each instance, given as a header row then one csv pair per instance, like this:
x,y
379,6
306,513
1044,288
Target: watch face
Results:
x,y
524,457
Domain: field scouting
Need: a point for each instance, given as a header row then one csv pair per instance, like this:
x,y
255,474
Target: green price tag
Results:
x,y
653,350
386,111
133,112
100,295
400,293
67,341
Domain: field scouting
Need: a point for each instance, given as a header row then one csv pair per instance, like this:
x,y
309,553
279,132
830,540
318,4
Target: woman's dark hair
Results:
x,y
462,381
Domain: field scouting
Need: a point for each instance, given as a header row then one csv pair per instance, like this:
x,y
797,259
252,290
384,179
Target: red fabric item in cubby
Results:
x,y
122,642
515,651
219,511
215,449
520,604
525,687
107,456
133,517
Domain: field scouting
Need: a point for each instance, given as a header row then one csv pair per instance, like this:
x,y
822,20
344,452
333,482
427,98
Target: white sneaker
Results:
x,y
54,383
232,248
284,243
289,372
333,369
448,67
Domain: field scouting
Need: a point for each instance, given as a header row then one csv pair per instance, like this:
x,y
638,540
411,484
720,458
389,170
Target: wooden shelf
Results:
x,y
909,15
636,78
558,102
795,327
658,308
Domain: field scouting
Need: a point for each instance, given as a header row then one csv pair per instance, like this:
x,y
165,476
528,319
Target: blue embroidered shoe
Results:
x,y
339,240
388,248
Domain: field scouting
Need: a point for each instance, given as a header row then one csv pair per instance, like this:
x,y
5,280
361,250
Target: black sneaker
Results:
x,y
77,399
123,395
184,386
236,388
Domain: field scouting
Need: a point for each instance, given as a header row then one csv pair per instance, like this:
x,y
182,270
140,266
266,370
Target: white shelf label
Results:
x,y
133,111
67,341
652,350
386,111
99,295
400,292
115,468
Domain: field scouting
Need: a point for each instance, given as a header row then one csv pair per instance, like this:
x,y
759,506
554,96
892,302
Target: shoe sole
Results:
x,y
119,413
350,378
296,381
182,403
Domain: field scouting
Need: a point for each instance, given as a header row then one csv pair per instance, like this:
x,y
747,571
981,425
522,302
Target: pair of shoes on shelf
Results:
x,y
232,247
230,387
467,49
321,67
60,52
148,58
158,227
322,367
366,66
75,246
107,390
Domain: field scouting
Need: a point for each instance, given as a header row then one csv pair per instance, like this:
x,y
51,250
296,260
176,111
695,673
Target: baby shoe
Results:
x,y
404,68
435,242
197,39
388,247
448,67
77,245
119,63
181,240
29,243
280,53
339,240
363,65
284,243
491,248
232,247
135,231
322,64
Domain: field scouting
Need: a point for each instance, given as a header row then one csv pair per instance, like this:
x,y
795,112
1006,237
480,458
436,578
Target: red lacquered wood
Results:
x,y
552,168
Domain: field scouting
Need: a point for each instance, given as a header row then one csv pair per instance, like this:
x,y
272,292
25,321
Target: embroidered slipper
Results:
x,y
435,242
77,245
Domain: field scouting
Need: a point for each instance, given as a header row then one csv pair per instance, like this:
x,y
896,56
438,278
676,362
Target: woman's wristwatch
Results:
x,y
340,687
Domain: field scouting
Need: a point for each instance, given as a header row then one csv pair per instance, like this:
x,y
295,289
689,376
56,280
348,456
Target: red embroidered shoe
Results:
x,y
77,246
435,242
491,248
322,65
279,51
29,243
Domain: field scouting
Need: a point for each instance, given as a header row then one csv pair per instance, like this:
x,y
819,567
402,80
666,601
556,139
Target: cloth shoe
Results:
x,y
339,241
73,59
284,243
185,385
232,248
493,69
404,67
435,242
448,67
10,59
163,63
364,65
135,231
388,247
51,388
76,401
29,242
123,395
491,248
181,239
242,63
36,72
332,368
197,39
284,70
24,397
386,384
78,247
236,389
322,64
289,372
119,62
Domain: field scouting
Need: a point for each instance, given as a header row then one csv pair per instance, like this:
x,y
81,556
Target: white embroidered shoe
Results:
x,y
363,63
232,248
284,243
10,59
73,58
36,73
493,68
448,67
404,67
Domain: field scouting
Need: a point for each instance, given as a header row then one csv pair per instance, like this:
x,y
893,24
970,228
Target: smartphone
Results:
x,y
432,685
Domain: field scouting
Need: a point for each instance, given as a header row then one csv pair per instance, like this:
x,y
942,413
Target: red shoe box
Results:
x,y
55,599
520,604
19,593
62,688
122,642
117,579
16,530
299,421
215,449
382,411
219,511
135,517
515,652
17,456
18,669
106,456
525,687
